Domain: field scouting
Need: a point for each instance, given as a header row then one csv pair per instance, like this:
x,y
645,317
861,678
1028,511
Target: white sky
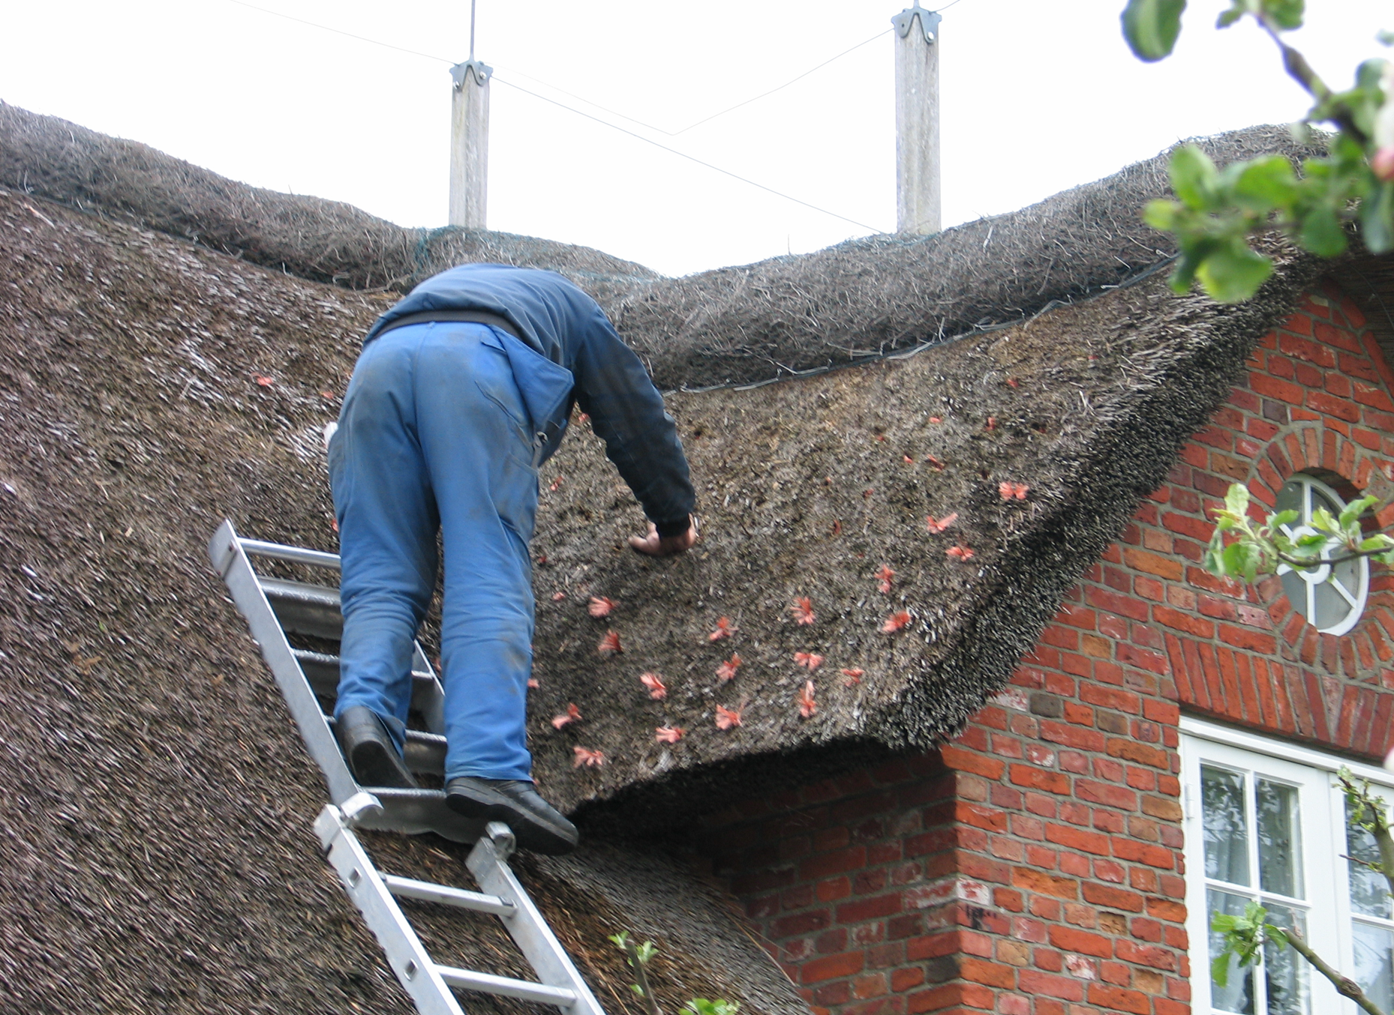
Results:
x,y
1036,97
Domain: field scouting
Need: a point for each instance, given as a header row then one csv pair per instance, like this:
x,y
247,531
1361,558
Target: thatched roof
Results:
x,y
157,803
854,301
156,785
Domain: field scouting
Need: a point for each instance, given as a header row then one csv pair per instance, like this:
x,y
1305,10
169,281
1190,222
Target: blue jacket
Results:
x,y
570,353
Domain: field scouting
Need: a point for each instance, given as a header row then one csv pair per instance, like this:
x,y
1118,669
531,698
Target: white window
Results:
x,y
1265,822
1331,597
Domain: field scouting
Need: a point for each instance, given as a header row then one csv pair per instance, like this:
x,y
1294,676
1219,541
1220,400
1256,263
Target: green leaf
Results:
x,y
1237,9
1234,273
1385,38
1320,231
1351,513
1232,558
1219,969
1151,27
1379,542
1323,522
1193,177
1377,219
1161,214
1237,499
1286,14
1265,184
1283,518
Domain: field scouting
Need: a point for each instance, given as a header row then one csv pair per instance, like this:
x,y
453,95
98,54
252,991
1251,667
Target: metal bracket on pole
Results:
x,y
481,71
929,22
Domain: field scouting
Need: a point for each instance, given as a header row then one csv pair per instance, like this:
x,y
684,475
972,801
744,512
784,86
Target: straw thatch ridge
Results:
x,y
315,239
859,299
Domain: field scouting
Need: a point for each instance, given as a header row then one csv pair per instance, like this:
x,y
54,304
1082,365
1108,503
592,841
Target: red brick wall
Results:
x,y
1034,866
1318,400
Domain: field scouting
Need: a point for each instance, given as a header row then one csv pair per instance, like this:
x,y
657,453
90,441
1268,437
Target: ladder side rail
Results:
x,y
405,953
529,927
225,550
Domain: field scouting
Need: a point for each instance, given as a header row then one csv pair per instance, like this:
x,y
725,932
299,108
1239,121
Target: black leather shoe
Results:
x,y
369,750
536,824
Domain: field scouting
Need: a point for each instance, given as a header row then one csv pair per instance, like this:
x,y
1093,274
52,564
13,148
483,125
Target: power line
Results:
x,y
690,158
674,133
786,84
547,84
340,31
612,126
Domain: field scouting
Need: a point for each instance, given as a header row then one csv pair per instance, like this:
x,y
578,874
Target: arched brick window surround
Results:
x,y
1352,471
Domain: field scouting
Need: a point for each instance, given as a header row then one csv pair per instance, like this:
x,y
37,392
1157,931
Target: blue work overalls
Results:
x,y
442,429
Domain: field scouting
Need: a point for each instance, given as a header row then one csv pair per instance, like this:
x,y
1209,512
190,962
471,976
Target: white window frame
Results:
x,y
1322,576
1323,838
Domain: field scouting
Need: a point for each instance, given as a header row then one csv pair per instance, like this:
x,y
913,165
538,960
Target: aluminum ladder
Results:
x,y
276,608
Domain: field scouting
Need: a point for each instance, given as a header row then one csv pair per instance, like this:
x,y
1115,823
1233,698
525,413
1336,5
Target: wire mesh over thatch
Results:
x,y
880,545
157,853
856,300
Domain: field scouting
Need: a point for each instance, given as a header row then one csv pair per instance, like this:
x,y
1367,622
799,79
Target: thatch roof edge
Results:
x,y
865,297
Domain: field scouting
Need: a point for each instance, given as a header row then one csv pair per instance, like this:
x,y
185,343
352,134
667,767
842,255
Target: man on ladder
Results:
x,y
462,390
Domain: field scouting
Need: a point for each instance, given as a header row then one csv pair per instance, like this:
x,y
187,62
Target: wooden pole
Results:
x,y
917,120
469,144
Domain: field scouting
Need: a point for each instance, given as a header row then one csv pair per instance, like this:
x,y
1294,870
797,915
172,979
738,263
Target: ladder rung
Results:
x,y
304,609
504,986
424,891
322,671
258,548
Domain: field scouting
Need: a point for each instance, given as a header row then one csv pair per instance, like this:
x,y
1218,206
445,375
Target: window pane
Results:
x,y
1369,891
1373,964
1226,829
1331,608
1238,993
1285,970
1279,845
1290,498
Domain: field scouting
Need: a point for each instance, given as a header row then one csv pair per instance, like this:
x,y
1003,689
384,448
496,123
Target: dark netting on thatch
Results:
x,y
856,300
157,850
809,487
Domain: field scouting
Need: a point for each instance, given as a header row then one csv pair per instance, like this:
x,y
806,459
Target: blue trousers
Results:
x,y
434,435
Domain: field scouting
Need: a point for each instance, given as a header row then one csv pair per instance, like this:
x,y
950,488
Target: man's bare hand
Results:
x,y
655,545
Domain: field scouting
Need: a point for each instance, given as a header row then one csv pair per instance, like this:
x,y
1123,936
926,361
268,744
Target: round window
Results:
x,y
1331,597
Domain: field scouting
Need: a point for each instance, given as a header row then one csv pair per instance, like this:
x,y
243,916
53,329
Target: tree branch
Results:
x,y
1344,985
1301,71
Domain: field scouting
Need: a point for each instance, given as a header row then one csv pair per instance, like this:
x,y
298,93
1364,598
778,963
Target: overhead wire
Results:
x,y
340,31
690,158
612,126
706,119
